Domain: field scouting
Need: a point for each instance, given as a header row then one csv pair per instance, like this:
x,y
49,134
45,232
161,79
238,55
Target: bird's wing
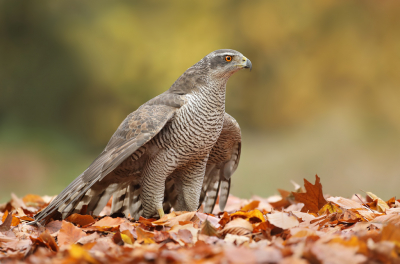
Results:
x,y
222,163
136,130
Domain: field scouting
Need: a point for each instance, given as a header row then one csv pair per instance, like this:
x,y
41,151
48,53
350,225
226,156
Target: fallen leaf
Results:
x,y
250,206
127,237
69,234
345,203
14,220
337,254
160,236
208,229
186,216
238,240
45,240
33,200
303,216
284,202
109,221
212,219
54,226
381,204
77,252
393,219
7,221
254,216
329,208
313,198
186,236
81,220
283,220
239,227
144,236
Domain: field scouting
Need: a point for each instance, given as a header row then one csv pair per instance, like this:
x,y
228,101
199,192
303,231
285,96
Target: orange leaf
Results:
x,y
14,222
109,221
33,200
329,208
45,240
144,236
284,202
313,198
81,220
69,234
6,225
250,206
78,252
254,216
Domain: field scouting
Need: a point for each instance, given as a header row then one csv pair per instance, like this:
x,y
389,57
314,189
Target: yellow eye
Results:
x,y
228,58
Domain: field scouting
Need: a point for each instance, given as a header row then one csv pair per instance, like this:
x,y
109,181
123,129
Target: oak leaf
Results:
x,y
313,198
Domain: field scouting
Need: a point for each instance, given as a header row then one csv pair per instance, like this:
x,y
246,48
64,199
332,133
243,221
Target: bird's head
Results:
x,y
225,62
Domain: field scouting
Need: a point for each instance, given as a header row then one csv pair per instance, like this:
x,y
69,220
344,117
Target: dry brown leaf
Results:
x,y
169,222
69,234
337,254
189,227
345,203
109,222
212,219
144,236
284,202
160,236
33,200
208,229
54,226
381,204
238,227
391,232
283,220
14,220
185,235
393,219
254,216
80,255
81,220
329,208
313,199
7,221
303,216
45,240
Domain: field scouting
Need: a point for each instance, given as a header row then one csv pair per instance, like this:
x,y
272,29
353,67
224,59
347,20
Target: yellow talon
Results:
x,y
160,212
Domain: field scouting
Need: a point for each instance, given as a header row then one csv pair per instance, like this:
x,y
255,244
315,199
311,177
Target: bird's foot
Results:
x,y
160,212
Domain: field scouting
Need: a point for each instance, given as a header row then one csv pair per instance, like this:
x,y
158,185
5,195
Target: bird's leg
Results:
x,y
154,175
189,183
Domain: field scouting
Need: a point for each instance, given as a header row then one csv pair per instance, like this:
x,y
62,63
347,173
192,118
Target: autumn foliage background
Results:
x,y
322,98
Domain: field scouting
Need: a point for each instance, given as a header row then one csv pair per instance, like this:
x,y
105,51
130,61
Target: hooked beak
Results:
x,y
246,63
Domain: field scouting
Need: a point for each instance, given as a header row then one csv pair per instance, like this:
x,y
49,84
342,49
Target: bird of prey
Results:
x,y
176,150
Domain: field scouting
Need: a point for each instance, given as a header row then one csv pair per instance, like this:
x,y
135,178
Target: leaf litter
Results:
x,y
303,226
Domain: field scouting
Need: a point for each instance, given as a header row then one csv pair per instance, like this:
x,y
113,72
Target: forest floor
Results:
x,y
303,226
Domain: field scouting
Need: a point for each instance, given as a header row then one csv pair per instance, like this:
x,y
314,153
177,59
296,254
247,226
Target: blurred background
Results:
x,y
323,97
